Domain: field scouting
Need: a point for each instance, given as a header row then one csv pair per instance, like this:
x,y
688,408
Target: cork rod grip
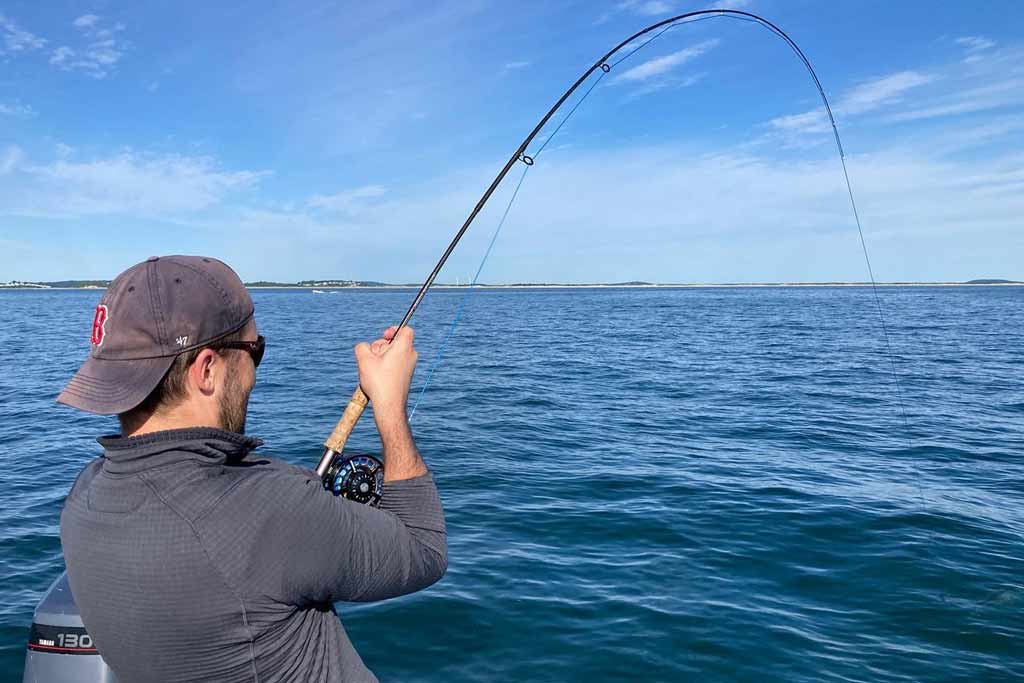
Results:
x,y
342,430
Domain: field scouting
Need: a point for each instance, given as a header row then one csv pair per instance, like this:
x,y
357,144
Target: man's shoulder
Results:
x,y
261,484
266,472
261,519
85,476
232,489
269,466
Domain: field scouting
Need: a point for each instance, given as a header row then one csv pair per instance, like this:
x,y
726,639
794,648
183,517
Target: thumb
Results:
x,y
362,350
404,337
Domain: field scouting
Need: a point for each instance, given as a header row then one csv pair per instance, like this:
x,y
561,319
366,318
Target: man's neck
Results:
x,y
177,418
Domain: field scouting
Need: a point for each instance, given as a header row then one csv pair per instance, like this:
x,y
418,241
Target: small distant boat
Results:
x,y
319,291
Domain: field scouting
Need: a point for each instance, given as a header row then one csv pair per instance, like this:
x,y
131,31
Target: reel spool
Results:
x,y
358,478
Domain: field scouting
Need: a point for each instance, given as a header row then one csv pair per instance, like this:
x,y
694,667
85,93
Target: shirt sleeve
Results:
x,y
309,546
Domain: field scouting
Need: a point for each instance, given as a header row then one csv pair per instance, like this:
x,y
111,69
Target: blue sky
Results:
x,y
350,140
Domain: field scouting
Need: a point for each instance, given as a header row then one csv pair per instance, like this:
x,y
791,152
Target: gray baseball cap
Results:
x,y
152,312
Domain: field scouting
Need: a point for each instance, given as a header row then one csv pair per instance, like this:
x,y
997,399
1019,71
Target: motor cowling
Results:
x,y
60,649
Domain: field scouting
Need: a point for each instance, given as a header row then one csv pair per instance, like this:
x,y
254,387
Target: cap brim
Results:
x,y
109,387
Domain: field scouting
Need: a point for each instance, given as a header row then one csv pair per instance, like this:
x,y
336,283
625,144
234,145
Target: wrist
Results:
x,y
401,459
390,413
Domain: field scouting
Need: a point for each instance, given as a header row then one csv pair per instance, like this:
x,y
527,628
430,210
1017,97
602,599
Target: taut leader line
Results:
x,y
361,478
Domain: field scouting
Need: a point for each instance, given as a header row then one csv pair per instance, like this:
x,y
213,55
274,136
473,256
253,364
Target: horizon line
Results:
x,y
371,284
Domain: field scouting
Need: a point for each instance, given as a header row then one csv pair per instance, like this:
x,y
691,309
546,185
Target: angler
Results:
x,y
262,579
190,556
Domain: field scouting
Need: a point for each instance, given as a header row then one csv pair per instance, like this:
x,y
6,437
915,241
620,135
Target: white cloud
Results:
x,y
730,4
814,121
977,48
292,223
16,109
61,55
669,213
99,54
347,201
867,96
99,50
651,7
935,111
1005,93
641,7
126,184
515,66
675,215
656,84
979,133
17,39
85,21
993,85
975,42
874,94
666,204
662,65
10,158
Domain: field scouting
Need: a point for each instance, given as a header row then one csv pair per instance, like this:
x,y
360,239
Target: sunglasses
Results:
x,y
255,348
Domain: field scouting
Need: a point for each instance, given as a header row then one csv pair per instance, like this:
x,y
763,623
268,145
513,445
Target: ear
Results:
x,y
202,374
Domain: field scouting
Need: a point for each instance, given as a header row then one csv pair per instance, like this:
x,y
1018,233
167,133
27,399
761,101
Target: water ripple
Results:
x,y
732,498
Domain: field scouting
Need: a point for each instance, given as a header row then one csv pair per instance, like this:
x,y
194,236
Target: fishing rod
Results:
x,y
361,478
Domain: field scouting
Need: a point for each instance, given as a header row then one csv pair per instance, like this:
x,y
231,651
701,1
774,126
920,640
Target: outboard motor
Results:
x,y
59,649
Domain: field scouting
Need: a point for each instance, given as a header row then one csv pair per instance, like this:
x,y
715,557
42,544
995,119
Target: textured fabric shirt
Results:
x,y
192,559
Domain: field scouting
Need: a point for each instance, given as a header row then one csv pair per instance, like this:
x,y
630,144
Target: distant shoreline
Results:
x,y
723,285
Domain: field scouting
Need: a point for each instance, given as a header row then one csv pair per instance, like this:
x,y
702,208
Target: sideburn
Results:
x,y
234,403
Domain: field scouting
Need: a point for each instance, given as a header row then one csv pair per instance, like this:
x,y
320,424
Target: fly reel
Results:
x,y
358,478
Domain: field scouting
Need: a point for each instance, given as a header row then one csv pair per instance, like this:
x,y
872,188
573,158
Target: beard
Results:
x,y
234,404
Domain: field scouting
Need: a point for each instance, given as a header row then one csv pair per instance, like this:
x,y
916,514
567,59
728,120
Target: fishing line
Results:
x,y
860,232
335,443
465,298
606,68
527,165
662,32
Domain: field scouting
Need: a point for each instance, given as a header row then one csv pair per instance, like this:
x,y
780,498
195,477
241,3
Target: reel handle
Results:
x,y
336,441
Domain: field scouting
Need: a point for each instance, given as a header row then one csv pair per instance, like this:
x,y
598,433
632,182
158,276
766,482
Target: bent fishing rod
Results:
x,y
361,478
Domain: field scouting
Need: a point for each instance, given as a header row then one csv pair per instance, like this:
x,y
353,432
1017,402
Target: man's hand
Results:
x,y
385,370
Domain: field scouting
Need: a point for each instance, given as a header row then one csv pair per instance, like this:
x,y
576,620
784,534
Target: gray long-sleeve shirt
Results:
x,y
192,559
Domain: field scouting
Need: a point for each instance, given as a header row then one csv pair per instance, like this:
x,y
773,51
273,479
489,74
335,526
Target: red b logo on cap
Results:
x,y
98,323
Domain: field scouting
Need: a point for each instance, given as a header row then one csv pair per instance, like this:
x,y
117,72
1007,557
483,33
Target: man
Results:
x,y
193,559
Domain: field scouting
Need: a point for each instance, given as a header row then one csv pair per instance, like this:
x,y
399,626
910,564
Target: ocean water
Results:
x,y
657,485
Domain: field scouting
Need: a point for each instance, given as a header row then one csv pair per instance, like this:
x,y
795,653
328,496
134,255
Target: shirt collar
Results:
x,y
208,445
